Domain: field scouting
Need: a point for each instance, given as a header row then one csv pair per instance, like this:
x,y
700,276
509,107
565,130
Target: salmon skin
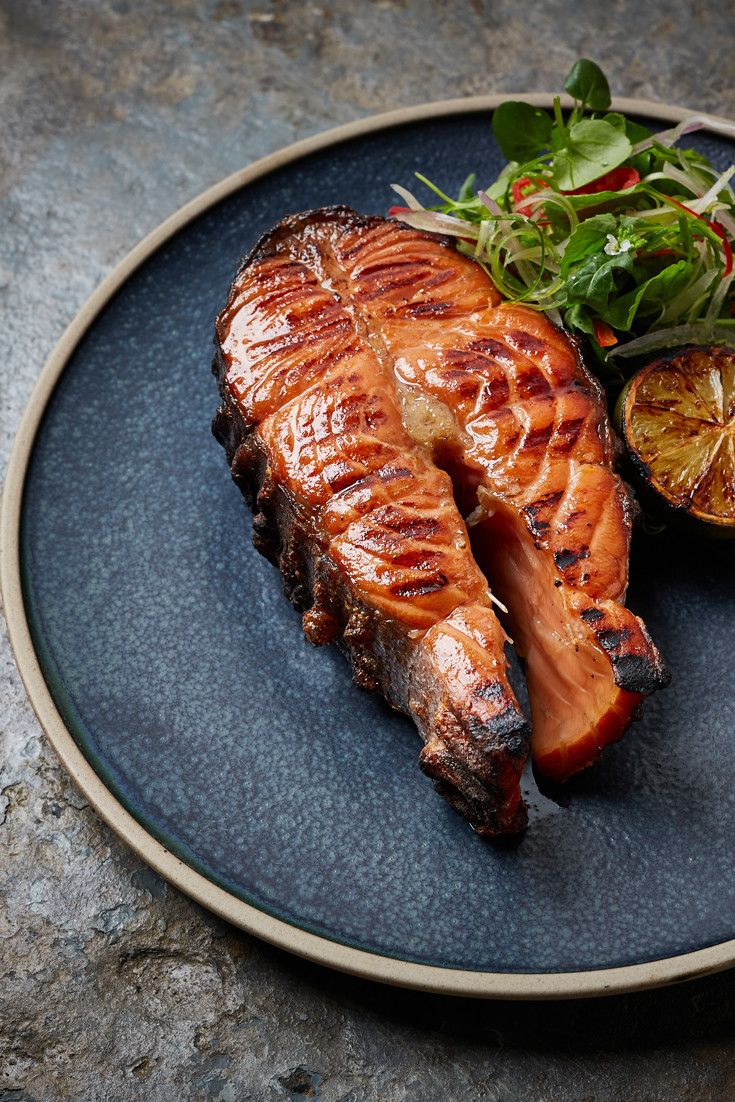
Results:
x,y
362,523
375,392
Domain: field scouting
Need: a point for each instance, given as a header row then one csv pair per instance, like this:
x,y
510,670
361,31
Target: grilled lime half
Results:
x,y
677,416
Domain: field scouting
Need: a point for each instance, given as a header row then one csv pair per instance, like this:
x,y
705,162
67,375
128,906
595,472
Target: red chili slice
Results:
x,y
617,179
671,199
604,335
520,186
517,187
393,211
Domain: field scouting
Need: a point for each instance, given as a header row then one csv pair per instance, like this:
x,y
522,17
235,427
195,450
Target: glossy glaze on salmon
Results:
x,y
361,522
527,440
375,391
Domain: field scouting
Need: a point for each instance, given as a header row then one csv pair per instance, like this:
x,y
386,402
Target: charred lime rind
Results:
x,y
655,501
661,511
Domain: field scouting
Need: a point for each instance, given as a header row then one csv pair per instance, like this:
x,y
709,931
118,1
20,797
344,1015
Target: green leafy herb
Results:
x,y
649,296
615,232
521,130
587,83
590,145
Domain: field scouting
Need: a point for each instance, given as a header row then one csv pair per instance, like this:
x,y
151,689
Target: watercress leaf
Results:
x,y
593,147
587,239
635,132
521,131
588,84
661,154
593,281
594,199
642,162
616,119
672,187
648,297
695,157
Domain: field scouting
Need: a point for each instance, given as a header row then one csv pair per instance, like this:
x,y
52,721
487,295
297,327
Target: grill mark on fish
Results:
x,y
413,528
567,557
545,502
538,437
416,558
379,287
528,343
427,309
612,639
565,436
491,347
432,584
532,383
489,690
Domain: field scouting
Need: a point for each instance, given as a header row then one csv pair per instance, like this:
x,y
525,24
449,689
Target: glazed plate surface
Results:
x,y
173,677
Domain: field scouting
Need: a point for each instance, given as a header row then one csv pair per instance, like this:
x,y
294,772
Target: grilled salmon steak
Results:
x,y
361,522
375,390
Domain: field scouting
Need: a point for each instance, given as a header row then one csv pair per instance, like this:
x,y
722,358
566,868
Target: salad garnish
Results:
x,y
614,231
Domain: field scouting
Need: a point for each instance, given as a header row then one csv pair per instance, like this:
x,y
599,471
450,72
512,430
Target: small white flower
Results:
x,y
615,247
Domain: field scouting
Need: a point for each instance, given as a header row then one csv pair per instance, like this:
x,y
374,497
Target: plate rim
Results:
x,y
279,932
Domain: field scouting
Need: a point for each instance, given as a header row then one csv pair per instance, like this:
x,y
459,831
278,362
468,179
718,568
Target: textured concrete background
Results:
x,y
112,986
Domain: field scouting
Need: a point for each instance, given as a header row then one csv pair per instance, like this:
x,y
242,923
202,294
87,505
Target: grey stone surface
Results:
x,y
113,986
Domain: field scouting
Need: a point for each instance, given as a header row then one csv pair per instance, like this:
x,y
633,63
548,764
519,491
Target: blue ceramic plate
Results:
x,y
181,674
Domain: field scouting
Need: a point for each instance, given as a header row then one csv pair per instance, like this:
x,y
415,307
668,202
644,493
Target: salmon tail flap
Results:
x,y
403,436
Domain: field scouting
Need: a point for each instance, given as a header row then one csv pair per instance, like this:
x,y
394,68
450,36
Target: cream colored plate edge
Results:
x,y
355,961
